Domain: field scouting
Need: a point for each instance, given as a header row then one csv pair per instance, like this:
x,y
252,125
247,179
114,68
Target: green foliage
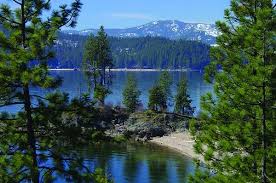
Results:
x,y
100,177
90,62
165,82
182,99
160,94
36,135
120,138
131,94
144,52
98,136
237,130
157,99
97,59
100,93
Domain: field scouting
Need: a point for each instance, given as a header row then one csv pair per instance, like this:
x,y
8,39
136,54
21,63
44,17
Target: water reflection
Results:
x,y
138,163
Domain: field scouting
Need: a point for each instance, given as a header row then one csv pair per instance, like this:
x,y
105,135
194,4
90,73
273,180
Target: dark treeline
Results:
x,y
146,52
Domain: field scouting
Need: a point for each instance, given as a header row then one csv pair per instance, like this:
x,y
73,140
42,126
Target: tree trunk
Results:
x,y
264,143
255,166
27,107
102,73
104,82
94,78
31,135
264,105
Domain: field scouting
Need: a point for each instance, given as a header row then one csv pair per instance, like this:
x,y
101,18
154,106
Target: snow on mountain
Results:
x,y
171,29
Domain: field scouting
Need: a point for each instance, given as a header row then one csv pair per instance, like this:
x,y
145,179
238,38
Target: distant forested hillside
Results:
x,y
145,52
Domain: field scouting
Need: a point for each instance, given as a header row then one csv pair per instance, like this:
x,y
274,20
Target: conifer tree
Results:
x,y
157,99
165,82
26,137
97,60
131,94
100,94
160,94
104,54
182,99
90,60
236,134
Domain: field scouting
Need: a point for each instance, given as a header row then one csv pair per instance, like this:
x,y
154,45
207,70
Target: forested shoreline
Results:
x,y
142,53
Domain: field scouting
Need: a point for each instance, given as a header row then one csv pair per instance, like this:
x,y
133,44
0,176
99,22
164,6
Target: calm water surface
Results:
x,y
138,163
75,83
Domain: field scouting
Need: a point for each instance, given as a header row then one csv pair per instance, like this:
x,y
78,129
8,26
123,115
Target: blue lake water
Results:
x,y
74,83
137,163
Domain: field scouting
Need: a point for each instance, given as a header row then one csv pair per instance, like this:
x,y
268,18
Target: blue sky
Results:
x,y
129,13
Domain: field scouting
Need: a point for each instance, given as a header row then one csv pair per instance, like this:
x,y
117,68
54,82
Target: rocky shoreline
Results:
x,y
143,126
168,130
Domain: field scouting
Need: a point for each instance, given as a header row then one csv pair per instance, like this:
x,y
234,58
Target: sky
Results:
x,y
130,13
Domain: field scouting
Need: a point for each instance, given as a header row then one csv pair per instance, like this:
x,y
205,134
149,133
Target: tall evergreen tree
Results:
x,y
24,51
160,95
237,131
97,59
157,99
131,94
182,99
90,60
104,54
165,83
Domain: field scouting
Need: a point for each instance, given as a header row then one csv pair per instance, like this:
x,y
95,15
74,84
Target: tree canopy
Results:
x,y
35,135
182,99
145,52
236,134
131,94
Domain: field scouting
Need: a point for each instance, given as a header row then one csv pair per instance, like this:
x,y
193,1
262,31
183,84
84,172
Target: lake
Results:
x,y
137,163
75,83
134,162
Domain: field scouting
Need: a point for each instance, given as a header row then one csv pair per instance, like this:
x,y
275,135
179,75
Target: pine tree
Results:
x,y
157,99
182,99
165,83
104,54
90,60
160,94
236,134
97,59
100,94
131,94
24,52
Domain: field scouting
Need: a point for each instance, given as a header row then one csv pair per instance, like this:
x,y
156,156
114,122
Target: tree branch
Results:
x,y
8,20
39,9
37,96
9,104
17,2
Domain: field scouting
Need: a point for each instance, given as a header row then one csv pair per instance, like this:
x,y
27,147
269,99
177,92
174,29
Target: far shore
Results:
x,y
179,141
132,70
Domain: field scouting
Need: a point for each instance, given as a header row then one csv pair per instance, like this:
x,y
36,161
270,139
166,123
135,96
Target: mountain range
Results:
x,y
159,44
172,29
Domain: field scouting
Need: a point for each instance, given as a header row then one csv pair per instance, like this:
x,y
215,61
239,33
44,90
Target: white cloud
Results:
x,y
132,16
